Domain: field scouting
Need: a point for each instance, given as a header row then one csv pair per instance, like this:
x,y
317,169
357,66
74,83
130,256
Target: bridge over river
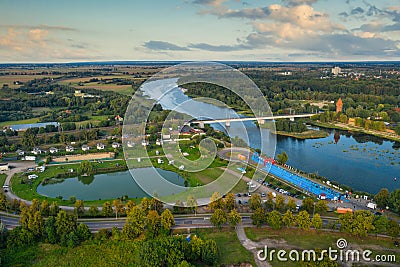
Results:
x,y
260,120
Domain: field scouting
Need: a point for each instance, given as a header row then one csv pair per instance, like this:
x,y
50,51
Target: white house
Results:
x,y
4,167
32,176
69,148
20,152
159,142
145,143
130,143
41,168
181,168
85,148
160,161
53,150
115,145
100,146
36,151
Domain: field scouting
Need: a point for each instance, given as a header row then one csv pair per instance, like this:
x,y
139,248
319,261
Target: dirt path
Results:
x,y
251,246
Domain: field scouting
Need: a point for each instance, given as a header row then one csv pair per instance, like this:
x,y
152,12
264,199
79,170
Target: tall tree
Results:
x,y
216,201
316,221
167,220
218,218
255,201
274,219
279,203
288,219
230,202
118,207
303,220
382,198
107,209
258,217
234,218
308,205
65,223
153,222
79,208
135,223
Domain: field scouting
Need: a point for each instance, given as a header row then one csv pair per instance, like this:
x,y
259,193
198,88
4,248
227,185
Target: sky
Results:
x,y
207,30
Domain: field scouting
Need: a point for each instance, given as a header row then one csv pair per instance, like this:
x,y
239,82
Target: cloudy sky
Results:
x,y
251,30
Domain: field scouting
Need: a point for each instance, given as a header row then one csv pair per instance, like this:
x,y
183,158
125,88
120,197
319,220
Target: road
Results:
x,y
181,222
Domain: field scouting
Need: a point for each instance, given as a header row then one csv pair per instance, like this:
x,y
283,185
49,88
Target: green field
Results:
x,y
2,178
8,123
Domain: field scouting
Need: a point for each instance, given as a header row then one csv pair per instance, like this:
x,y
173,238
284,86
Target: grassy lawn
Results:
x,y
313,239
28,191
2,178
231,251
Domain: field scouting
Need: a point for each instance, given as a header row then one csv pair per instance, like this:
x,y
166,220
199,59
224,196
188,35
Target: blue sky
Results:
x,y
267,30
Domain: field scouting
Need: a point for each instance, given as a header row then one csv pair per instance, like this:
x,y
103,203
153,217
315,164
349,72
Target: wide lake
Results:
x,y
364,162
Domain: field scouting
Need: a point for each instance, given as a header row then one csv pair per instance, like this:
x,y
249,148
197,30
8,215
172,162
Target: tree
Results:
x,y
107,209
380,224
316,221
258,217
308,205
382,198
274,219
45,208
167,220
209,254
288,219
393,229
282,158
65,223
83,232
156,205
218,218
50,231
72,199
394,200
85,168
321,206
118,207
93,211
54,208
35,205
291,205
279,203
129,206
3,201
303,220
234,218
153,222
358,223
135,223
216,201
230,202
145,205
79,208
191,203
255,201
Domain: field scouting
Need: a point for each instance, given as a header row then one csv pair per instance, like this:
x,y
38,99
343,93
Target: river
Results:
x,y
363,162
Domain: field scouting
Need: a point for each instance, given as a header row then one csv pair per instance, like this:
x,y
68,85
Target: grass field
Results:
x,y
10,79
231,251
2,178
312,239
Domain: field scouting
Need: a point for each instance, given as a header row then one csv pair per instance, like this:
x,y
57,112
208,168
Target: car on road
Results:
x,y
263,194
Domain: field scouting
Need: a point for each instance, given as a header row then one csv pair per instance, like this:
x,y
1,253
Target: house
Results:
x,y
159,142
53,150
119,118
130,143
100,146
30,158
160,161
69,148
4,167
85,148
322,196
36,151
20,152
145,143
115,145
41,168
181,168
32,176
371,205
